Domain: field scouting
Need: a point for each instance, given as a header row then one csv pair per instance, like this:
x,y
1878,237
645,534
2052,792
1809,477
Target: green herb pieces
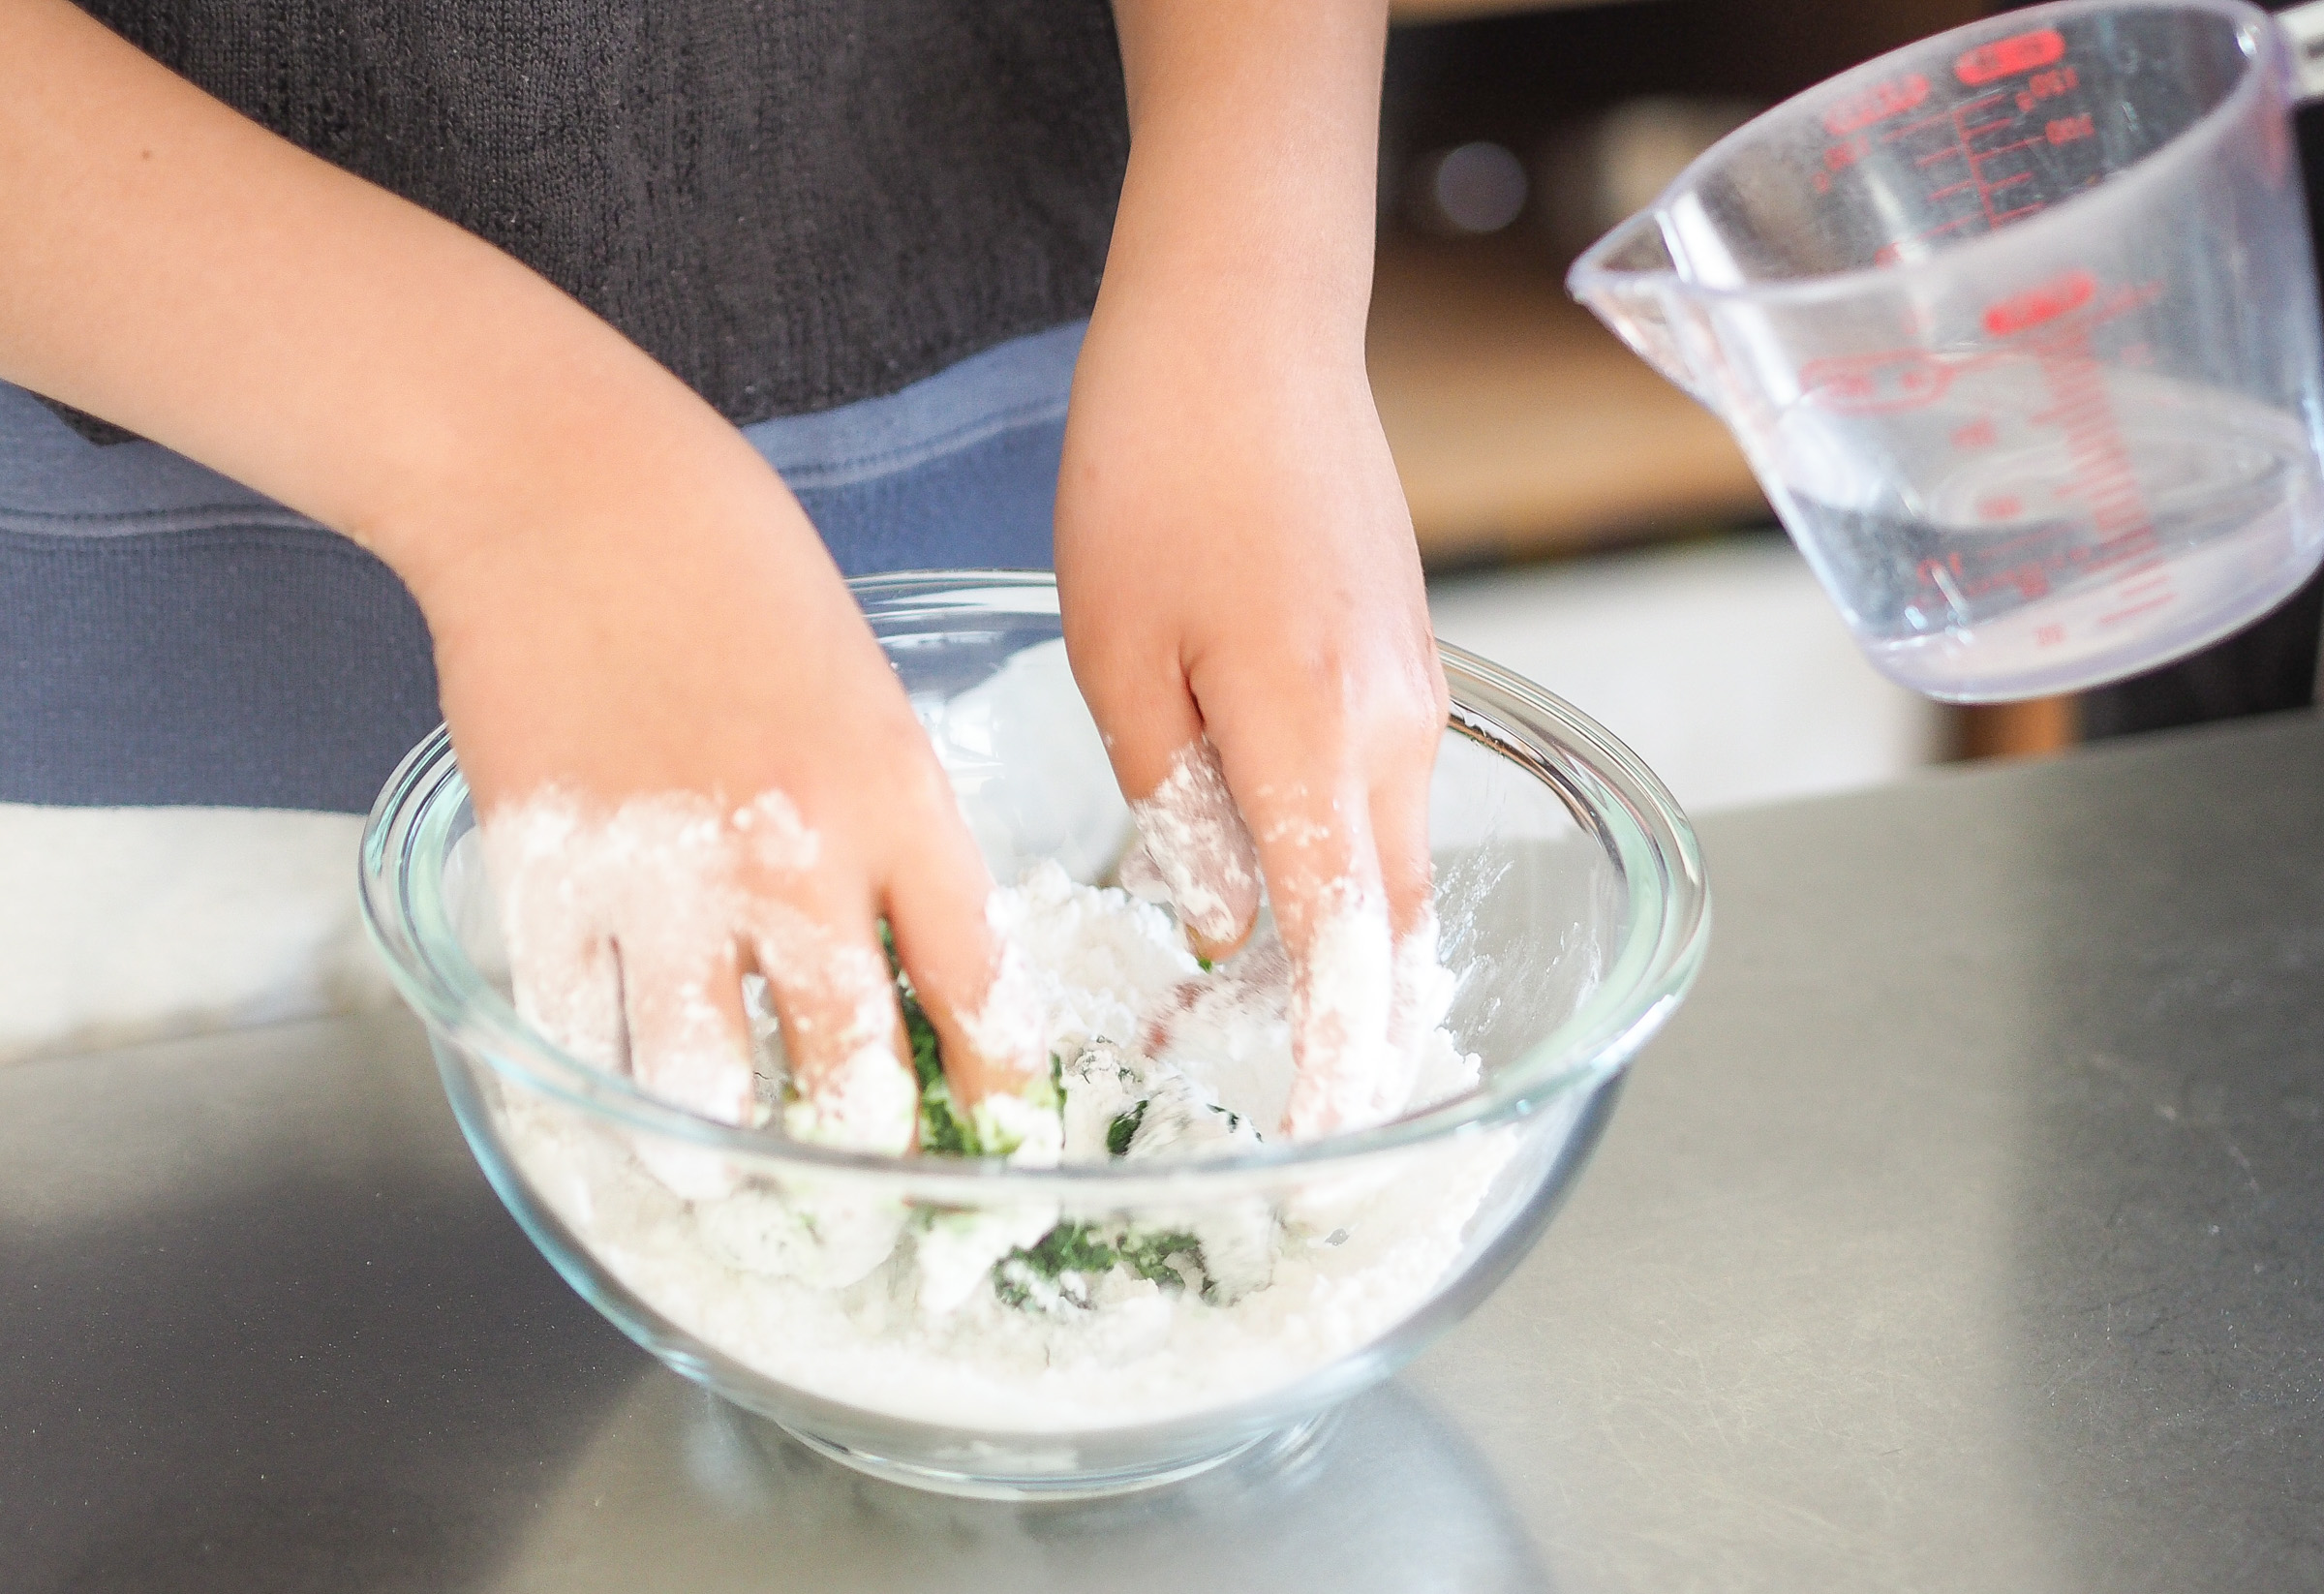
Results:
x,y
1168,1259
1061,1268
926,1065
1071,1247
1205,963
1124,1129
1054,1269
944,1129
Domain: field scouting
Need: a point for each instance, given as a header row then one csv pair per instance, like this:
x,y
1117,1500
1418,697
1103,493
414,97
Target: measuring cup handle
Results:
x,y
2304,26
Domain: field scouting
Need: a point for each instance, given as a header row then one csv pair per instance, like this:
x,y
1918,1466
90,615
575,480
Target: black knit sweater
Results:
x,y
790,203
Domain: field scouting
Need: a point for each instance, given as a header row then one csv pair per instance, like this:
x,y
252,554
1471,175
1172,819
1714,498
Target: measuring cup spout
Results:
x,y
1628,280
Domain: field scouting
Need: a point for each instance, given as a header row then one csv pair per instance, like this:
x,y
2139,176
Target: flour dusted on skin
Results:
x,y
1194,852
1023,1315
1009,1033
1340,997
1363,1008
621,927
651,878
1361,1001
866,1104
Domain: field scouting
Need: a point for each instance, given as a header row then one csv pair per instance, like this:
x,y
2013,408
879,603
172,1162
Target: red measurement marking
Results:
x,y
2048,86
1977,161
1981,432
2103,478
2124,552
2007,57
1876,104
1893,378
2067,129
1916,125
2000,506
1840,157
2036,305
1951,580
2117,616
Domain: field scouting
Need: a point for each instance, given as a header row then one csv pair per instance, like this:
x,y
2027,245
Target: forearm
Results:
x,y
1254,149
175,269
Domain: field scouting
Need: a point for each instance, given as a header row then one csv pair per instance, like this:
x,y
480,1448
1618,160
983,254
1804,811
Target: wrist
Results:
x,y
1225,271
1251,190
541,487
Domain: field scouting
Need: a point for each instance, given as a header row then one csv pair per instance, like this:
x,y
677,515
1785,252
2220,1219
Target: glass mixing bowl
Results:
x,y
1103,1325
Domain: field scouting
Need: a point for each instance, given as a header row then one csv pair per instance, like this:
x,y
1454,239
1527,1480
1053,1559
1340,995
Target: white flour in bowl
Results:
x,y
1023,1317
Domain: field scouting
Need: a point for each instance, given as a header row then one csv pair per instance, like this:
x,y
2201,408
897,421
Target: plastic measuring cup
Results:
x,y
2018,329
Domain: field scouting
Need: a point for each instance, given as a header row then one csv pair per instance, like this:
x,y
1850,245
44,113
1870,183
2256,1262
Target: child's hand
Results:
x,y
1234,553
692,758
641,642
1237,563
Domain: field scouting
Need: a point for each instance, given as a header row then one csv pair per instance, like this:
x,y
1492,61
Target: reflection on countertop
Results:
x,y
678,1487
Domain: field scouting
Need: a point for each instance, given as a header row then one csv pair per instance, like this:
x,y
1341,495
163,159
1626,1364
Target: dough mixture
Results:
x,y
1027,1316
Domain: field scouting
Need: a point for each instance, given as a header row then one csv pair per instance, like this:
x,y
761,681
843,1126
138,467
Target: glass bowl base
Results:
x,y
963,1484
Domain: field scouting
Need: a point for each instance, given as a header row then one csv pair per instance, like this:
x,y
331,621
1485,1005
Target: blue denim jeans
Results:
x,y
168,636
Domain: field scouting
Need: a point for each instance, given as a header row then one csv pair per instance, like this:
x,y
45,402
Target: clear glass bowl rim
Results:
x,y
1611,792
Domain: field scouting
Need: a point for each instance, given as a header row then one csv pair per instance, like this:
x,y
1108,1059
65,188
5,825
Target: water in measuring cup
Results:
x,y
1981,550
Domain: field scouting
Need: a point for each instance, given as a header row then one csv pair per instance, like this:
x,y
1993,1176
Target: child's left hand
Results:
x,y
1242,594
1235,561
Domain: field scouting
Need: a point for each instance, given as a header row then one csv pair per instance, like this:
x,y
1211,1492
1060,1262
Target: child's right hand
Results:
x,y
692,760
635,625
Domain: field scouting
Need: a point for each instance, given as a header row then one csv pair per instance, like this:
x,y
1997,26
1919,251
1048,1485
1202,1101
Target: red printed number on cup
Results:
x,y
2007,57
2036,305
1876,104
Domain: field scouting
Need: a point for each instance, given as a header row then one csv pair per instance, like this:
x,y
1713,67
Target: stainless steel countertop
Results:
x,y
1966,1231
